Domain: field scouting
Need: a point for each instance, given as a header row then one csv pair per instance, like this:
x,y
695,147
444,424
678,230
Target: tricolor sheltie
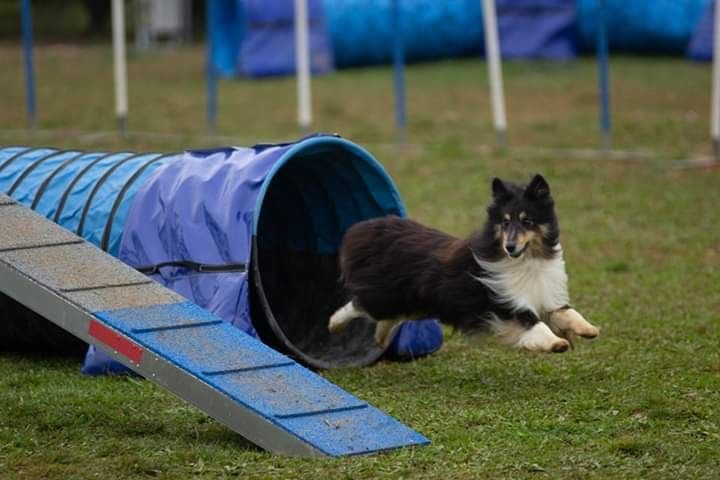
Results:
x,y
507,278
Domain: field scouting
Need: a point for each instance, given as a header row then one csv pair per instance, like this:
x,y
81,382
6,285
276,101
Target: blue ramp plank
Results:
x,y
354,432
259,378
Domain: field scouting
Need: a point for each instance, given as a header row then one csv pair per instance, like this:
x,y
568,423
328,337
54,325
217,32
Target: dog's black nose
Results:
x,y
510,247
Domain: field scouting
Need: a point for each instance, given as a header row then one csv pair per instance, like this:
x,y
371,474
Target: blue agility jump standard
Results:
x,y
28,62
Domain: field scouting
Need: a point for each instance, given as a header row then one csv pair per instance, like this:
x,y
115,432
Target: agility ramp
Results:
x,y
266,397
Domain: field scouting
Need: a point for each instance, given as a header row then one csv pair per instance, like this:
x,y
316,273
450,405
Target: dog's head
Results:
x,y
523,218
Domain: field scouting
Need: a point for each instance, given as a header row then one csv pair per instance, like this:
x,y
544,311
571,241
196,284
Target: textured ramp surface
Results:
x,y
18,231
261,379
258,392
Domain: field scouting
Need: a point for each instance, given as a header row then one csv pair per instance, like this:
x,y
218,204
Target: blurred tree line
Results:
x,y
74,20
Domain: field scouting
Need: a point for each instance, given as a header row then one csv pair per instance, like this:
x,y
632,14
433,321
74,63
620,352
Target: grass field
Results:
x,y
641,237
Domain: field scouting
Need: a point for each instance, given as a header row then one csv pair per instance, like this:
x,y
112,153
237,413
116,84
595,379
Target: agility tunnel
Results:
x,y
641,26
360,32
249,234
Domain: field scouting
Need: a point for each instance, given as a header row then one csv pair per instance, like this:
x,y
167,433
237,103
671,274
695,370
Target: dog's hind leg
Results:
x,y
385,331
567,320
344,315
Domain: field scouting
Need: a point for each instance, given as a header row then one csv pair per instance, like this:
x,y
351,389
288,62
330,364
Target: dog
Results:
x,y
508,278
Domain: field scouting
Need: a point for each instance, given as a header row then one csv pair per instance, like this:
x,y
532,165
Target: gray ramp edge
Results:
x,y
257,392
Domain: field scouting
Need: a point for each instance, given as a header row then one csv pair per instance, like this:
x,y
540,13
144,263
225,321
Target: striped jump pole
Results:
x,y
715,108
492,53
302,64
120,65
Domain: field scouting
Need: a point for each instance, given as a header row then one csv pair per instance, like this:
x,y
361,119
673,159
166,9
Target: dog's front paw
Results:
x,y
588,331
569,320
560,346
568,335
541,339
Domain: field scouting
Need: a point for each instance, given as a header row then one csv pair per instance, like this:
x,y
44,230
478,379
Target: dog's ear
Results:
x,y
537,188
498,188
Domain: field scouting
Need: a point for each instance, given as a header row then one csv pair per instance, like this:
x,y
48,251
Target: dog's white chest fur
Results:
x,y
534,284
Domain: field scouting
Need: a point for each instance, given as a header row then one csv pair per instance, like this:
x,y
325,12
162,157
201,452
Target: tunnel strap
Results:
x,y
198,267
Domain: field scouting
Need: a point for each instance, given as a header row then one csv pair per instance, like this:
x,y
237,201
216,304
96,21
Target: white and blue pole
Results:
x,y
715,108
492,54
604,75
120,65
28,60
399,67
302,65
211,80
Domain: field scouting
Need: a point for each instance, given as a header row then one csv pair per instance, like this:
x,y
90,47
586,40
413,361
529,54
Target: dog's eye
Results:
x,y
506,223
527,222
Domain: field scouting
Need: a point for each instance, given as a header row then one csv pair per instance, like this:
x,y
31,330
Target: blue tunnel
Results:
x,y
348,33
250,234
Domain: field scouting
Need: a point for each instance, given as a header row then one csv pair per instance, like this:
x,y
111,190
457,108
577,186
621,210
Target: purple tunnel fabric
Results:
x,y
207,208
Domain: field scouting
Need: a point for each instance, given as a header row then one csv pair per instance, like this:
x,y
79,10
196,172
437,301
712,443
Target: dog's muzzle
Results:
x,y
513,250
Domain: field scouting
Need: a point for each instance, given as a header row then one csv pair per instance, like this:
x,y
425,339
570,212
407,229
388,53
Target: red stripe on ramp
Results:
x,y
117,342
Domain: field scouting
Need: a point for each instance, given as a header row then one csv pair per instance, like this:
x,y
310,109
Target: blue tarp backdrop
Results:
x,y
227,207
268,44
641,26
537,28
701,44
359,32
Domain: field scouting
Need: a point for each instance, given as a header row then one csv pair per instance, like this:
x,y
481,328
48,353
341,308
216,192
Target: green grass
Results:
x,y
641,240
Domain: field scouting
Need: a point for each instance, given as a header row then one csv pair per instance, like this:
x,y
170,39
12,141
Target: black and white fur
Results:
x,y
507,278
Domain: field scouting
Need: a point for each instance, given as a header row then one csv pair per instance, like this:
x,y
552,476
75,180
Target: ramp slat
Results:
x,y
256,391
353,432
215,348
18,231
73,267
123,297
290,390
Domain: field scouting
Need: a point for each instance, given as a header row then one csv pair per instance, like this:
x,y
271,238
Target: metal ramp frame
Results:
x,y
259,393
